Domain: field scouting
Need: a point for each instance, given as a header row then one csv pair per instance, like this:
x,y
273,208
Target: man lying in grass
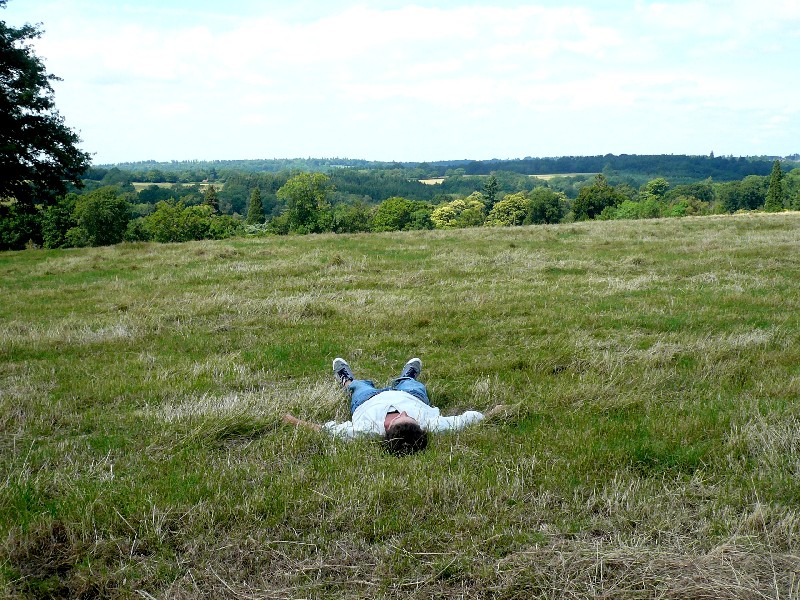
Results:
x,y
402,413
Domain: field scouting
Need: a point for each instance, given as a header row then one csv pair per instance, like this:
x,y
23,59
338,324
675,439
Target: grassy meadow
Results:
x,y
650,448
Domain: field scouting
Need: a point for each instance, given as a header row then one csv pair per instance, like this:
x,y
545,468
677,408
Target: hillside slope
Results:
x,y
652,370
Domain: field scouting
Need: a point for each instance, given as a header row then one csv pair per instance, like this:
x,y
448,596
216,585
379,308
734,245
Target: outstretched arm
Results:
x,y
493,411
292,420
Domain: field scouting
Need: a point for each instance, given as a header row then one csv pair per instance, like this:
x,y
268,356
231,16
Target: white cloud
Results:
x,y
339,82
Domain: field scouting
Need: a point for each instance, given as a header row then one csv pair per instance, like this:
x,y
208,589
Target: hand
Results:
x,y
292,420
493,411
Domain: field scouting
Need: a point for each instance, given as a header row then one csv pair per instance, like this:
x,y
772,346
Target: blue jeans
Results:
x,y
362,390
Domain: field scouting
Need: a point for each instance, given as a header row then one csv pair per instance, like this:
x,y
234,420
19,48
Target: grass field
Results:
x,y
651,449
138,186
550,176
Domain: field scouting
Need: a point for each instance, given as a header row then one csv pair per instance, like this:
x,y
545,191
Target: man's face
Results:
x,y
397,419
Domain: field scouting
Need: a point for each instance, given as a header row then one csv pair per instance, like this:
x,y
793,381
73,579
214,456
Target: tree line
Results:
x,y
51,195
677,168
308,202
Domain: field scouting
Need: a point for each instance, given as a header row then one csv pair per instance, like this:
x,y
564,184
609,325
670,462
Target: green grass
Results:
x,y
650,449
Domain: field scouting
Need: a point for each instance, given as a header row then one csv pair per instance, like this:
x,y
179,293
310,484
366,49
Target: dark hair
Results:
x,y
405,438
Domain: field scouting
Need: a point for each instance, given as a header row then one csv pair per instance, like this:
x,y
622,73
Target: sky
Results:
x,y
393,80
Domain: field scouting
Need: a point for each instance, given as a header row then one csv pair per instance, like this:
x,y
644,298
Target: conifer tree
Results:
x,y
211,199
255,209
776,192
490,188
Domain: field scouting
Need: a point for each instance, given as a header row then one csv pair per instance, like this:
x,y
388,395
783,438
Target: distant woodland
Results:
x,y
180,201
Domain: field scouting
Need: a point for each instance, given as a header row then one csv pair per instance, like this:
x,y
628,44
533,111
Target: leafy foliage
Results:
x,y
327,209
18,227
511,210
364,177
255,209
467,212
38,152
352,218
776,193
57,220
211,199
545,206
397,214
103,215
308,207
174,222
490,189
595,198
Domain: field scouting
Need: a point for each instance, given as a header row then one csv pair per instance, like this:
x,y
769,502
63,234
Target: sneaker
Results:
x,y
412,369
342,372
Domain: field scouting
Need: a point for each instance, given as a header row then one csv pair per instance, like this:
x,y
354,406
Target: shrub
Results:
x,y
593,199
103,215
136,231
78,237
462,212
18,227
395,214
57,219
174,222
546,206
352,218
511,210
687,206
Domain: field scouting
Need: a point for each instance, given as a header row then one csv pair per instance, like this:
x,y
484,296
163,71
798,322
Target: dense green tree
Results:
x,y
729,196
545,206
116,176
39,156
234,197
279,224
352,218
753,190
792,181
655,188
702,190
165,223
18,227
155,176
57,220
461,212
395,214
420,217
594,198
136,232
511,210
776,193
490,188
685,206
307,203
627,209
255,208
224,226
195,222
154,193
172,221
103,215
210,198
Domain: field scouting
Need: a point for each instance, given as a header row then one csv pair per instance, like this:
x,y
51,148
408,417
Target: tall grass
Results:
x,y
649,449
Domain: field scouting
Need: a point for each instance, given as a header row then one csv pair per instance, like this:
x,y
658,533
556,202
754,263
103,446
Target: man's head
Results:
x,y
404,435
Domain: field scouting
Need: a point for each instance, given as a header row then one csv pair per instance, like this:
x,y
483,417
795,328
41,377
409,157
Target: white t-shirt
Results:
x,y
370,416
